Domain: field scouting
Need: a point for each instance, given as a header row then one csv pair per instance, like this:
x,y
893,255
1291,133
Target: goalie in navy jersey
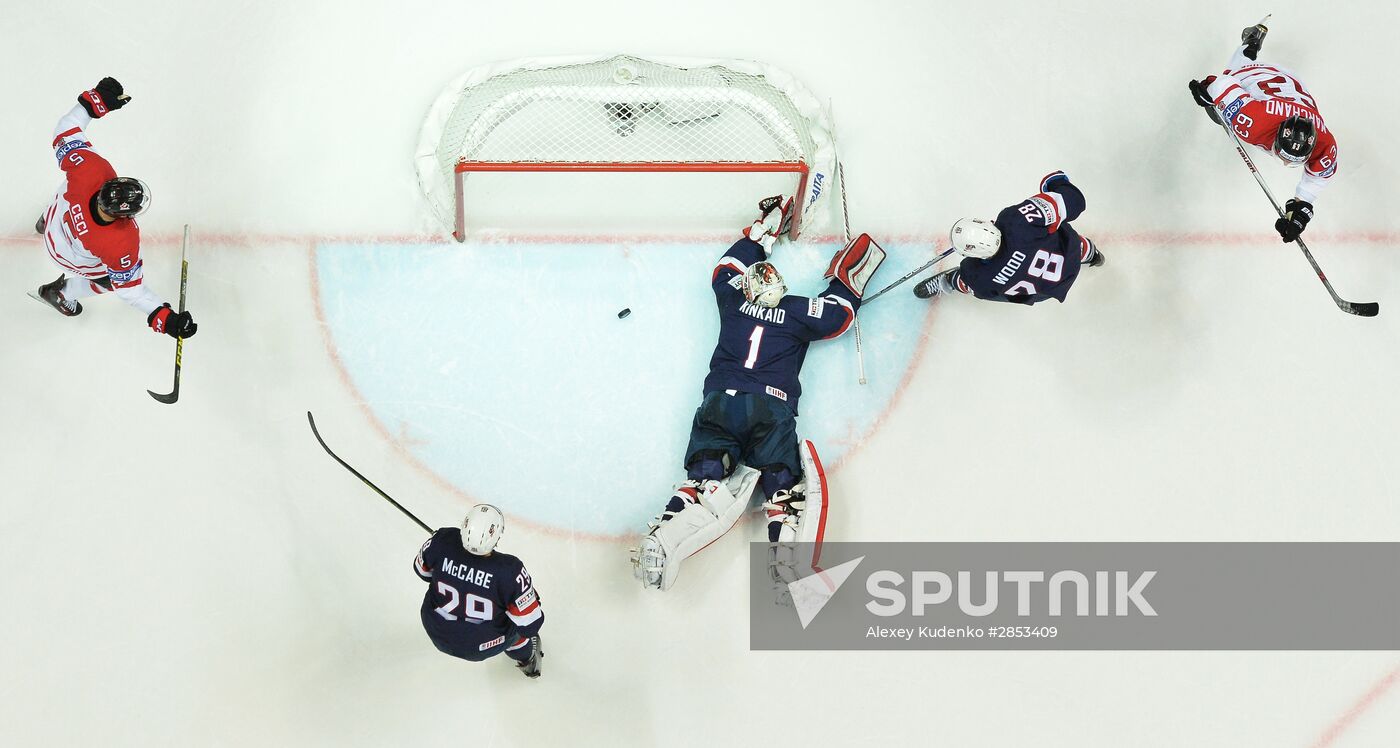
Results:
x,y
744,433
1029,254
480,602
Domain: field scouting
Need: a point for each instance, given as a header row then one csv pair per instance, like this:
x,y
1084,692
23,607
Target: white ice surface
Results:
x,y
203,574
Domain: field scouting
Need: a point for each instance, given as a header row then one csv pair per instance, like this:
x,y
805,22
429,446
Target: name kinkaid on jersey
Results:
x,y
1028,254
480,602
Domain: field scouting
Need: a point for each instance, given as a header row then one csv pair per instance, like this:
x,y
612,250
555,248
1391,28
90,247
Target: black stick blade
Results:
x,y
1364,309
167,399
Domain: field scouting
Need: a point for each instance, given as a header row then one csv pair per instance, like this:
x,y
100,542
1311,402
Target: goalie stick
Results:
x,y
846,228
179,342
1363,309
362,478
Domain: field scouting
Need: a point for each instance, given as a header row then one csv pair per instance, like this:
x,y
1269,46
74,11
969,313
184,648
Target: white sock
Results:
x,y
77,288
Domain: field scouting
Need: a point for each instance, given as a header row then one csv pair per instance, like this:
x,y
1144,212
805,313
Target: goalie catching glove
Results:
x,y
856,264
774,220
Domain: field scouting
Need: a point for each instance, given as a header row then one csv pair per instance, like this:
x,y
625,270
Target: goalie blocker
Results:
x,y
796,521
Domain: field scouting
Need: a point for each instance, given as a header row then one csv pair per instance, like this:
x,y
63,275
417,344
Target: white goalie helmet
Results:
x,y
482,529
975,237
763,285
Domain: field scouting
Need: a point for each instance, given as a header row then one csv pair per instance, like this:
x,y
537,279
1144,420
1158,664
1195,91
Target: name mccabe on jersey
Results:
x,y
467,574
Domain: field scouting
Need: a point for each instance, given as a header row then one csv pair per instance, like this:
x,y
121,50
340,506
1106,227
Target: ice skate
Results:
x,y
1253,38
531,667
52,294
941,283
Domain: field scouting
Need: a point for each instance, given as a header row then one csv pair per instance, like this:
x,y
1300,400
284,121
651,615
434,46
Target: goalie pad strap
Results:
x,y
856,263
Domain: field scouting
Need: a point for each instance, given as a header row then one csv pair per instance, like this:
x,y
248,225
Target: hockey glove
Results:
x,y
174,324
1296,214
106,96
1198,92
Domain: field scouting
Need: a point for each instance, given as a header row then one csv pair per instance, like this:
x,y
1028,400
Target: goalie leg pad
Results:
x,y
856,264
718,506
797,550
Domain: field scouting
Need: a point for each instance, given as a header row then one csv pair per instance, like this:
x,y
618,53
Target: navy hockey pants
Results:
x,y
757,430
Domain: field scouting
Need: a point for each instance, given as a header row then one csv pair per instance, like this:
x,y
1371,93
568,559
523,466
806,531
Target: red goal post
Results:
x,y
626,114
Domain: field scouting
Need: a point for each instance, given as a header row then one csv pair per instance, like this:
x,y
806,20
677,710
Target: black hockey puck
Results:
x,y
622,314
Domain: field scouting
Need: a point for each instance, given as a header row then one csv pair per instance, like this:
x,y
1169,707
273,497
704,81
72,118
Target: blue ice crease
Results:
x,y
505,369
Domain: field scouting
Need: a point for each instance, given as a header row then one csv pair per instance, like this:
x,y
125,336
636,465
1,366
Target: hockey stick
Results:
x,y
1363,309
179,342
910,274
846,227
365,480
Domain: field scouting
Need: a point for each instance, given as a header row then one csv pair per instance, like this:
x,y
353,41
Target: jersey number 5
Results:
x,y
474,608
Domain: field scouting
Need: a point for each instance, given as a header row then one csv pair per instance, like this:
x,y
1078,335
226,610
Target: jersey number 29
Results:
x,y
474,607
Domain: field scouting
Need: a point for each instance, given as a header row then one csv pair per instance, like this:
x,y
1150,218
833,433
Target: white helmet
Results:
x,y
975,237
763,285
482,529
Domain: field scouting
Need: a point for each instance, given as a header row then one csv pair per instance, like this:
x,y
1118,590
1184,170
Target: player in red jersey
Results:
x,y
1269,108
90,229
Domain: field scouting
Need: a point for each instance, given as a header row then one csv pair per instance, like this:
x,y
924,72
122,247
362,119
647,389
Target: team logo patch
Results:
x,y
525,600
1046,208
814,309
737,282
121,277
493,643
1234,108
69,147
775,392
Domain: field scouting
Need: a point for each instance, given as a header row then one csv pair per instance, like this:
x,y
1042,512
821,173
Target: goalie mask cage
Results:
x,y
626,115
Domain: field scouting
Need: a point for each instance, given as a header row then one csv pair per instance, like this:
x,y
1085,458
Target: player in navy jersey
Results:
x,y
1029,254
480,602
745,430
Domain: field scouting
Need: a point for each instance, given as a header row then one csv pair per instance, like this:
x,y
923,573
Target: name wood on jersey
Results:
x,y
467,574
1012,265
775,316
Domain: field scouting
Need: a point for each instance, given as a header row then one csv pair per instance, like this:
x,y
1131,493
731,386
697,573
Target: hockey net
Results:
x,y
642,144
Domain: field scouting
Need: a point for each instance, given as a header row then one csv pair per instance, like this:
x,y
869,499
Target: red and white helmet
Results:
x,y
482,529
975,237
763,285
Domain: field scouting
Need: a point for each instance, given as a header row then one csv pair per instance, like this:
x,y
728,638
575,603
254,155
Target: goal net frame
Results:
x,y
471,109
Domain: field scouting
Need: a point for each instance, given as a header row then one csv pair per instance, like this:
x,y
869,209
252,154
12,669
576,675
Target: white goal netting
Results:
x,y
692,143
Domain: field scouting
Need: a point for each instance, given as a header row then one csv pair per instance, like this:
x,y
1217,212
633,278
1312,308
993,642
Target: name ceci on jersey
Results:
x,y
775,315
467,574
79,221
